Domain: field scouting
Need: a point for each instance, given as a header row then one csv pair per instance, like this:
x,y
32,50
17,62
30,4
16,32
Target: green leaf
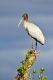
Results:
x,y
34,71
42,69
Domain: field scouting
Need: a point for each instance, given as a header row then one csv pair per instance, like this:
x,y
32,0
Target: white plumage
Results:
x,y
33,30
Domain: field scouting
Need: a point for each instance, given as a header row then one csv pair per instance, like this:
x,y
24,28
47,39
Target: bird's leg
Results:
x,y
36,45
32,43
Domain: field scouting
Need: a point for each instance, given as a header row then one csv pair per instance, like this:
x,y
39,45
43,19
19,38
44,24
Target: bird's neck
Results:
x,y
25,24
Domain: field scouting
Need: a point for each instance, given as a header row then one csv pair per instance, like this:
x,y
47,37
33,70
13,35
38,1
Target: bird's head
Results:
x,y
24,18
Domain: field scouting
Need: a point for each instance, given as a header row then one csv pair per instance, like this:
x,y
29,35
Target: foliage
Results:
x,y
30,58
41,76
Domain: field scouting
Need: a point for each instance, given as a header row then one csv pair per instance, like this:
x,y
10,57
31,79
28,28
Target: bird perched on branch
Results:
x,y
32,30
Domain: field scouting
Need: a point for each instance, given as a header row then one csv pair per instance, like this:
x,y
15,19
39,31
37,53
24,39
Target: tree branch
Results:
x,y
23,70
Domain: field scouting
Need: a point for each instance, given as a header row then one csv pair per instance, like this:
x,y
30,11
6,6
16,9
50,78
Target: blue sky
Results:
x,y
14,41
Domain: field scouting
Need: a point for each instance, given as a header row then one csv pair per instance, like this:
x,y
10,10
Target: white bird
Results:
x,y
32,30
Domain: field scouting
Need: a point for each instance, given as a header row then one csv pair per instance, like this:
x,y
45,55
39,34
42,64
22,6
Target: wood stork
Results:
x,y
32,30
